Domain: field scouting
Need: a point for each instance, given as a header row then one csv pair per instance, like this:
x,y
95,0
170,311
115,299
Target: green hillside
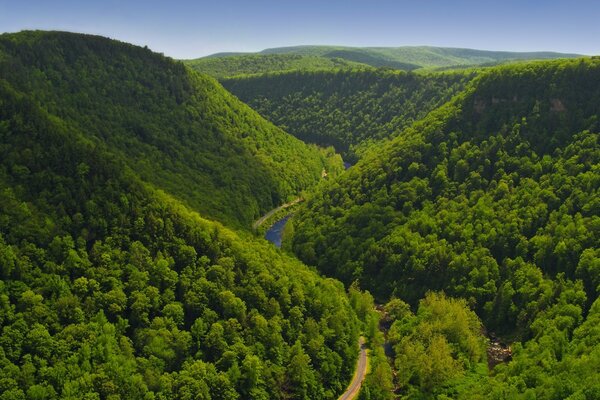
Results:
x,y
232,65
407,58
347,108
110,288
414,57
492,198
129,181
207,148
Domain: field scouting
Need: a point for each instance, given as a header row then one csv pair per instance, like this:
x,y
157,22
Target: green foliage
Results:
x,y
560,362
479,216
206,147
248,64
492,198
412,57
345,108
111,288
437,344
378,383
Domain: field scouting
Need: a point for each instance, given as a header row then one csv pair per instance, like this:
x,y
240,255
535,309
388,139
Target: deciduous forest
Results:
x,y
347,109
493,199
462,246
110,286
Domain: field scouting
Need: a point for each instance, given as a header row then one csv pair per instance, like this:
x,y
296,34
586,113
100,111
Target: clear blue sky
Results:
x,y
189,29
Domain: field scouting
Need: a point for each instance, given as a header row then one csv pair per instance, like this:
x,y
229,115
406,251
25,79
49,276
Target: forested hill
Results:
x,y
414,57
248,64
177,129
346,108
494,198
407,58
111,288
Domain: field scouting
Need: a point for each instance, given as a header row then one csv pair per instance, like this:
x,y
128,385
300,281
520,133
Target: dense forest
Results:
x,y
129,182
413,57
407,58
209,149
492,198
347,109
111,288
233,65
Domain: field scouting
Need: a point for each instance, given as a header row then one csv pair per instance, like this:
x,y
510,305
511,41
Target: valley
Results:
x,y
418,201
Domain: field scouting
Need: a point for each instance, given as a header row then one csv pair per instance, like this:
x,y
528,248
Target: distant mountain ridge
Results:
x,y
447,51
406,58
255,64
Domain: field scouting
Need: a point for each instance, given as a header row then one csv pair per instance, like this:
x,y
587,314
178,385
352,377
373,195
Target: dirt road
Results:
x,y
262,219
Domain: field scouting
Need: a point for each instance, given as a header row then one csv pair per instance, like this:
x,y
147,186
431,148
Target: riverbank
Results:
x,y
271,215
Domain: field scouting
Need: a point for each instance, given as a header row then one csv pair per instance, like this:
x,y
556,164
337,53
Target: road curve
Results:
x,y
262,219
359,374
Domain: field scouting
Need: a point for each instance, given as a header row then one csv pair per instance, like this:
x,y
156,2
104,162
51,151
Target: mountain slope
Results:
x,y
206,147
345,109
111,288
493,198
232,65
501,151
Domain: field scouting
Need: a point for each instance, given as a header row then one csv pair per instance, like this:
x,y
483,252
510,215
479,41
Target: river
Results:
x,y
275,232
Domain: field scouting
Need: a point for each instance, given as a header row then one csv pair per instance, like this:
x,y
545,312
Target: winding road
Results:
x,y
359,374
361,364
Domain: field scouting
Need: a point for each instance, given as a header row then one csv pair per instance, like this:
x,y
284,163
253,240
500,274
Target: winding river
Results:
x,y
275,232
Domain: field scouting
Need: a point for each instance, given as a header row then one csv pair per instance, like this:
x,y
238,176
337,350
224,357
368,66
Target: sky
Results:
x,y
191,29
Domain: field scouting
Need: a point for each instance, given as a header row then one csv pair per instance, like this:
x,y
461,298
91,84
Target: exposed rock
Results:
x,y
498,353
557,106
479,105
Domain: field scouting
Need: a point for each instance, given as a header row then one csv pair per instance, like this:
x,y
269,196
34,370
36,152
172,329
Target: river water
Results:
x,y
275,232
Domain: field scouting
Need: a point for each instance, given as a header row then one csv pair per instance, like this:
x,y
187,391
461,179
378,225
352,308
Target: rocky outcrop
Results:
x,y
498,353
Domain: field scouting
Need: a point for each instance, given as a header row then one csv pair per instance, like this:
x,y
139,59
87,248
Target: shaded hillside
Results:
x,y
111,288
345,108
247,64
371,59
205,147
